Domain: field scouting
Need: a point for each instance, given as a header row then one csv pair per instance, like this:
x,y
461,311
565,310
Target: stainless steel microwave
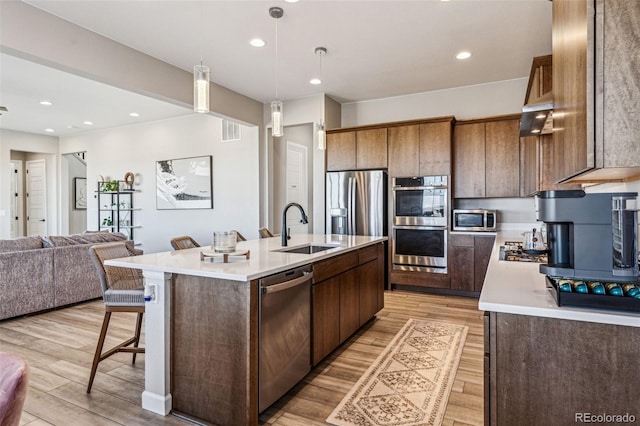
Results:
x,y
474,220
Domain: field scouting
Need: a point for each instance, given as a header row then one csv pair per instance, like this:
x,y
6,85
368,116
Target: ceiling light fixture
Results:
x,y
257,42
292,1
134,114
463,55
322,136
276,106
46,103
88,123
201,75
320,51
201,88
49,130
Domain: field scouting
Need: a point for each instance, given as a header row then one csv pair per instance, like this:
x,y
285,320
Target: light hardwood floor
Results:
x,y
59,347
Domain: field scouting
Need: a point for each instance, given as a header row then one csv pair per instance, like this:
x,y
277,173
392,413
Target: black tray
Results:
x,y
588,300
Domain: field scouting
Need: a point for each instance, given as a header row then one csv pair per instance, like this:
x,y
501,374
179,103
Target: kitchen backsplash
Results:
x,y
510,210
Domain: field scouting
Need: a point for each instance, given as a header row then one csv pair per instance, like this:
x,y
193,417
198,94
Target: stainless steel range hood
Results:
x,y
537,117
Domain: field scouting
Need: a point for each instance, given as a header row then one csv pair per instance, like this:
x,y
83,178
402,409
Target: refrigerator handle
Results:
x,y
352,206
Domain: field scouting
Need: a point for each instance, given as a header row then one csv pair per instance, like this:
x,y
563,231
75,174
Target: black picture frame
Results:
x,y
79,193
184,183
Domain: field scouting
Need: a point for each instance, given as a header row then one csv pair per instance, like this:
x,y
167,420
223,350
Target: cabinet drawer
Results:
x,y
334,266
461,240
368,254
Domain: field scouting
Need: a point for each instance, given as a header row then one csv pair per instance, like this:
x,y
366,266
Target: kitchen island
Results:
x,y
203,317
546,364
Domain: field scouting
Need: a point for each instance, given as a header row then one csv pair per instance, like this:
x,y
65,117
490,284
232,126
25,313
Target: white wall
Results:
x,y
76,220
482,100
28,142
295,112
112,153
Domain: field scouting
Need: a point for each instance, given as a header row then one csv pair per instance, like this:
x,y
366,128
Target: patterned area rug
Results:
x,y
409,383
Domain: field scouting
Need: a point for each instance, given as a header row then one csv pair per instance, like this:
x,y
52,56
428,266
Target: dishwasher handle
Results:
x,y
287,284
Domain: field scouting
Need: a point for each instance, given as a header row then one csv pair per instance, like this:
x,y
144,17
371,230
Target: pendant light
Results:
x,y
276,106
322,136
201,88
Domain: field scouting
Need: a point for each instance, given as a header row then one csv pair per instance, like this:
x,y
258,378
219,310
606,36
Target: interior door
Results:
x,y
296,184
36,198
17,204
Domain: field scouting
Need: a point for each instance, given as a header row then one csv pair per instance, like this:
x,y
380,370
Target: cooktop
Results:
x,y
512,251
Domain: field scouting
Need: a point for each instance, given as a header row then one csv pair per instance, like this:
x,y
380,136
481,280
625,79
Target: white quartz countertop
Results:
x,y
519,288
264,259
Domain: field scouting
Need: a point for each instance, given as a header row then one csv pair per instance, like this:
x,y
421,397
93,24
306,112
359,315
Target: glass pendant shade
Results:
x,y
322,137
276,118
201,88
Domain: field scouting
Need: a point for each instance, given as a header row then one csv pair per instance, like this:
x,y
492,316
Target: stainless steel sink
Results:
x,y
308,249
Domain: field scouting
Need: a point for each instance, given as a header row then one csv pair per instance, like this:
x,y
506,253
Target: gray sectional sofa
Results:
x,y
40,273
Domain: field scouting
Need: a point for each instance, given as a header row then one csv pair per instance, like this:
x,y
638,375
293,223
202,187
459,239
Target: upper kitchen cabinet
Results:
x,y
487,157
596,92
357,149
420,149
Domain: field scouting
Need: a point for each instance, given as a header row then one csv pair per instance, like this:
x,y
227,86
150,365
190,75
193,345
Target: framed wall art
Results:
x,y
184,183
80,193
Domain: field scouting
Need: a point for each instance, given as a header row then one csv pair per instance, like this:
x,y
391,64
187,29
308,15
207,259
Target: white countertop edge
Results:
x,y
519,288
273,263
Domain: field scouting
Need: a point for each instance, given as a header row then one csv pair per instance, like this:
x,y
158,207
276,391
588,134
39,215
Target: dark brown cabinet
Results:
x,y
348,290
596,90
469,257
567,367
326,317
487,158
420,149
357,149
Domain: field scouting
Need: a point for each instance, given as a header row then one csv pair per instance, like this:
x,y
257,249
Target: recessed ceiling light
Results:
x,y
535,131
291,1
46,103
315,81
49,130
463,55
257,42
88,123
134,114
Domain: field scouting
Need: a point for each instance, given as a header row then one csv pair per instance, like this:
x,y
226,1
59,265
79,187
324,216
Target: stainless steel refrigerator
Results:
x,y
357,203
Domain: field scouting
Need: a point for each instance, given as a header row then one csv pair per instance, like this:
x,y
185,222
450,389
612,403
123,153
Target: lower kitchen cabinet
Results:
x,y
551,371
326,317
468,260
348,291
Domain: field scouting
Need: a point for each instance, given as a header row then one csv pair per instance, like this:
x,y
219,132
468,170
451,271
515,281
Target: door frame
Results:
x,y
16,170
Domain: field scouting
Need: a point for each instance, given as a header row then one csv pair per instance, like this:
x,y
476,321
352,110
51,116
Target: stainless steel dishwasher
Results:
x,y
285,333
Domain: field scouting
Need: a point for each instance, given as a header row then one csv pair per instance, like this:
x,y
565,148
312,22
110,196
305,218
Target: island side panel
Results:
x,y
214,375
548,371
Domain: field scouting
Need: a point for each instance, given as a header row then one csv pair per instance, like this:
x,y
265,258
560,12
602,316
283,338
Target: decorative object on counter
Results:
x,y
224,241
80,193
129,179
209,255
533,243
409,383
184,183
595,294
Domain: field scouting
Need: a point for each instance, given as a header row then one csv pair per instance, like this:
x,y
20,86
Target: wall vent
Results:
x,y
230,130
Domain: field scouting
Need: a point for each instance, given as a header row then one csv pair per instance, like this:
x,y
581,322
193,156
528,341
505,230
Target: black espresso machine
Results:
x,y
590,236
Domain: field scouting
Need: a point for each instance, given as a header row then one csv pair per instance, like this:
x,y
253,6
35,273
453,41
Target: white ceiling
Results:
x,y
376,49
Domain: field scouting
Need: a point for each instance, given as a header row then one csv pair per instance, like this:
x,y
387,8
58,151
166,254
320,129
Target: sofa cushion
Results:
x,y
89,238
20,244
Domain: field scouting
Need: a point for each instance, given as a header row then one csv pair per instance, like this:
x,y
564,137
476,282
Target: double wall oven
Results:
x,y
420,212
